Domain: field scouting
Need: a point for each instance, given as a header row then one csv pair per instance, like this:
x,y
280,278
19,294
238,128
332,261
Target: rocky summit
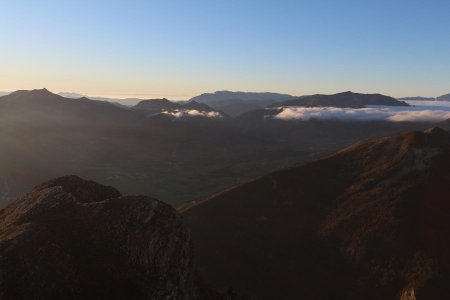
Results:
x,y
75,239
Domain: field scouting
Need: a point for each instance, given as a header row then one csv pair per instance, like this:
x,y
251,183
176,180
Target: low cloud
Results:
x,y
187,113
418,113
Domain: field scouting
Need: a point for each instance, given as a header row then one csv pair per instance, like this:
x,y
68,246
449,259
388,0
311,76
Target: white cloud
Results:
x,y
420,112
186,113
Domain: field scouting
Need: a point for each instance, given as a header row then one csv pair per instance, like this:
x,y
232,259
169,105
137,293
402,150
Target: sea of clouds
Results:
x,y
419,111
187,113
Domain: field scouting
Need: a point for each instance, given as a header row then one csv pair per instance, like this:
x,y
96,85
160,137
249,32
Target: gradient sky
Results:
x,y
178,49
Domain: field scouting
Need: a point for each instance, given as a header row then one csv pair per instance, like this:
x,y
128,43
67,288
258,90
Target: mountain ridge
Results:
x,y
160,105
416,98
344,100
334,235
236,103
163,155
444,98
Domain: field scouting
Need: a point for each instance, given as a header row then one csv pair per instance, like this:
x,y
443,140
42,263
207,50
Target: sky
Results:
x,y
178,49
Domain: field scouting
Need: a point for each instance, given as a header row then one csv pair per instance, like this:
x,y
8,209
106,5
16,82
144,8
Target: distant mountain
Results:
x,y
4,93
346,99
36,106
236,103
176,156
245,96
440,98
370,222
120,101
196,105
177,110
71,95
75,239
158,105
418,98
444,98
123,101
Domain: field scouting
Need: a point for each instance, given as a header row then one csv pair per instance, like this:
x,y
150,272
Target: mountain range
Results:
x,y
236,103
367,222
419,98
121,101
177,155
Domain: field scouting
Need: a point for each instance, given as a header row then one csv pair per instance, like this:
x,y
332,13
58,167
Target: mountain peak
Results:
x,y
33,93
94,244
84,98
42,92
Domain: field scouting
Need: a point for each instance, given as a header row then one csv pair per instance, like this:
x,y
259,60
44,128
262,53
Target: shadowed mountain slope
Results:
x,y
369,222
41,107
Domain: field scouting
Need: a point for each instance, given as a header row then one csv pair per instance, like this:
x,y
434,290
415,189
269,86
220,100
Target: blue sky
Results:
x,y
178,49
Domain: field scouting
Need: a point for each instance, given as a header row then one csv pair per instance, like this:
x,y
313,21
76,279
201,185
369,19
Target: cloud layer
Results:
x,y
422,111
187,113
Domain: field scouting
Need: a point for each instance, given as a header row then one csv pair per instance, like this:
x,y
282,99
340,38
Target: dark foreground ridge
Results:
x,y
75,239
370,222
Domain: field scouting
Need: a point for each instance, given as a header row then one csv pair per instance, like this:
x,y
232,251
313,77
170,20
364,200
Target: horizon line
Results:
x,y
146,96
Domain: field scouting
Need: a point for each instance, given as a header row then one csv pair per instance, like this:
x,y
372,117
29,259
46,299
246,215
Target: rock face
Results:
x,y
370,222
75,239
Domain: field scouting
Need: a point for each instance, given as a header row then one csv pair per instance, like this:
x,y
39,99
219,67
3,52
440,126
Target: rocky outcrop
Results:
x,y
75,239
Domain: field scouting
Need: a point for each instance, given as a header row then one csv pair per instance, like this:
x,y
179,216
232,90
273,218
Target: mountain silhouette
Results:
x,y
444,98
346,99
236,103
